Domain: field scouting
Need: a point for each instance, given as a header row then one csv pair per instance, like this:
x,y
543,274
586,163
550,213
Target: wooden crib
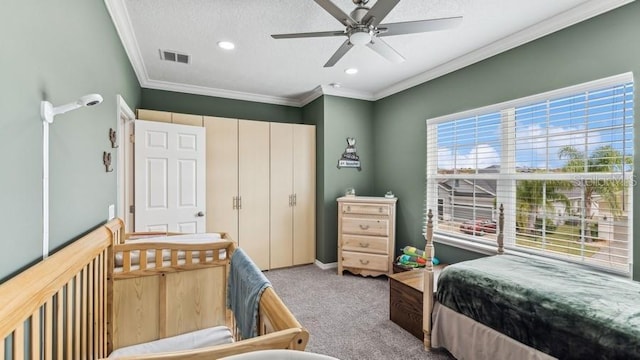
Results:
x,y
77,304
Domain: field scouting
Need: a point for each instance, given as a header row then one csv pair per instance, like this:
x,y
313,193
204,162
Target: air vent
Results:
x,y
173,56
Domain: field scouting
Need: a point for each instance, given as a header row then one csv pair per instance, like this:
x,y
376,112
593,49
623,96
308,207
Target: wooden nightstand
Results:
x,y
406,298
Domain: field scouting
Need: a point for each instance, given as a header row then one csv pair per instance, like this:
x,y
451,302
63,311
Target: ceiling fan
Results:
x,y
363,27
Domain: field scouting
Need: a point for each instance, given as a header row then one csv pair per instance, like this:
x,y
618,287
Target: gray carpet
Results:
x,y
347,316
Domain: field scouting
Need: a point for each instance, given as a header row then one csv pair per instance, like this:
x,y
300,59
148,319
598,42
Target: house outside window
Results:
x,y
560,163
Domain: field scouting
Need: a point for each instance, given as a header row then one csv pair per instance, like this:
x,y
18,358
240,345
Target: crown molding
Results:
x,y
313,94
124,28
222,93
563,20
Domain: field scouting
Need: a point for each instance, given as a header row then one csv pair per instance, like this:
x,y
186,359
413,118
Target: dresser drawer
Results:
x,y
365,209
365,261
368,244
363,226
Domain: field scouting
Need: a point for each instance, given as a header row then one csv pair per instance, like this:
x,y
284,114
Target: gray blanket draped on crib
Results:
x,y
246,284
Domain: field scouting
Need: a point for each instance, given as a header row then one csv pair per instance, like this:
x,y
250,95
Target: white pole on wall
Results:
x,y
48,112
45,189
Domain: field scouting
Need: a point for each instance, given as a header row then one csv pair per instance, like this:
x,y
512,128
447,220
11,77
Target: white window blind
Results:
x,y
560,162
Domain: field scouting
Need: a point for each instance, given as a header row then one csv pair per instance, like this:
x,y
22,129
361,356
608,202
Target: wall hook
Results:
x,y
113,138
106,160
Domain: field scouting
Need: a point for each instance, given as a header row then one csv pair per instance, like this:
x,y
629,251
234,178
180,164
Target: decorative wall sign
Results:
x,y
349,157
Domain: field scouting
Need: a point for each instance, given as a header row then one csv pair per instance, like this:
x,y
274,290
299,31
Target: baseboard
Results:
x,y
328,266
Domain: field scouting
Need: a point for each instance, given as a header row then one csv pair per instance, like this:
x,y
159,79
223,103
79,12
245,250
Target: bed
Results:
x,y
508,307
78,304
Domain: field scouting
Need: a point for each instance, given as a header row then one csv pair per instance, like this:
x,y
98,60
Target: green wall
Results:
x,y
597,48
343,118
216,106
56,51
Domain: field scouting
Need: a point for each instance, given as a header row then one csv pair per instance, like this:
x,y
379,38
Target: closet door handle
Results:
x,y
235,202
240,202
295,199
290,200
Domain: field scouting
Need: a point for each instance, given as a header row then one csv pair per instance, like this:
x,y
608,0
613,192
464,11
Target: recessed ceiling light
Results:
x,y
227,45
335,85
351,71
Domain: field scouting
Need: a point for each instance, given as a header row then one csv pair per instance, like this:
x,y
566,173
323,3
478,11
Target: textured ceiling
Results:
x,y
291,71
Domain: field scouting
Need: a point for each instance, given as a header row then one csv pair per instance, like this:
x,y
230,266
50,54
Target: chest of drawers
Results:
x,y
366,235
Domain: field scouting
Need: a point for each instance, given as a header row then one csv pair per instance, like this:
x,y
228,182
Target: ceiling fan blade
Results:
x,y
309,34
346,46
336,12
382,48
379,11
411,27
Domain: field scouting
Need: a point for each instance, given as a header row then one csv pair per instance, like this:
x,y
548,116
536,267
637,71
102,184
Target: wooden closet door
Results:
x,y
253,225
304,189
222,175
281,195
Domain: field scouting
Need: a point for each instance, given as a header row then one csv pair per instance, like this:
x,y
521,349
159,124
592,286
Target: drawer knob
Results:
x,y
364,262
364,245
380,209
348,208
364,227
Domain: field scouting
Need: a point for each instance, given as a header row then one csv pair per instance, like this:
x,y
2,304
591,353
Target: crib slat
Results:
x,y
174,257
2,349
188,257
48,330
143,259
59,325
126,261
105,296
101,315
96,307
35,335
203,256
91,312
76,327
69,320
83,325
18,342
158,258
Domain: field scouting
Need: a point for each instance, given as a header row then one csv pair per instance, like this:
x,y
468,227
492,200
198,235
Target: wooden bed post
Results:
x,y
427,306
501,230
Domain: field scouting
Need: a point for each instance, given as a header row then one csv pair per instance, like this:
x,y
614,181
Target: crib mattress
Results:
x,y
564,310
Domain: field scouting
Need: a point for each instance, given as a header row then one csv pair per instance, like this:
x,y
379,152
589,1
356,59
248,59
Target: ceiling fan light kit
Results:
x,y
363,27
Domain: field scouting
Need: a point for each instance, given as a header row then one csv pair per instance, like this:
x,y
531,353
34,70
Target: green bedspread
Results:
x,y
564,310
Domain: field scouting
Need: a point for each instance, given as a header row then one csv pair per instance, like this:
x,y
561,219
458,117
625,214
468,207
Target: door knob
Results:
x,y
200,214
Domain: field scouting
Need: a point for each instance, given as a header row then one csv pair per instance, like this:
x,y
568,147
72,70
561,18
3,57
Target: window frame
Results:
x,y
507,177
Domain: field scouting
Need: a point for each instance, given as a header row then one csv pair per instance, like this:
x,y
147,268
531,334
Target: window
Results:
x,y
559,162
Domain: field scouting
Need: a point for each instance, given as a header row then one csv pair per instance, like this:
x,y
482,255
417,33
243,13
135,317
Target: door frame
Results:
x,y
124,183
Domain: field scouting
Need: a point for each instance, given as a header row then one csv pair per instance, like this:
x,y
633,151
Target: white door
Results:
x,y
169,177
